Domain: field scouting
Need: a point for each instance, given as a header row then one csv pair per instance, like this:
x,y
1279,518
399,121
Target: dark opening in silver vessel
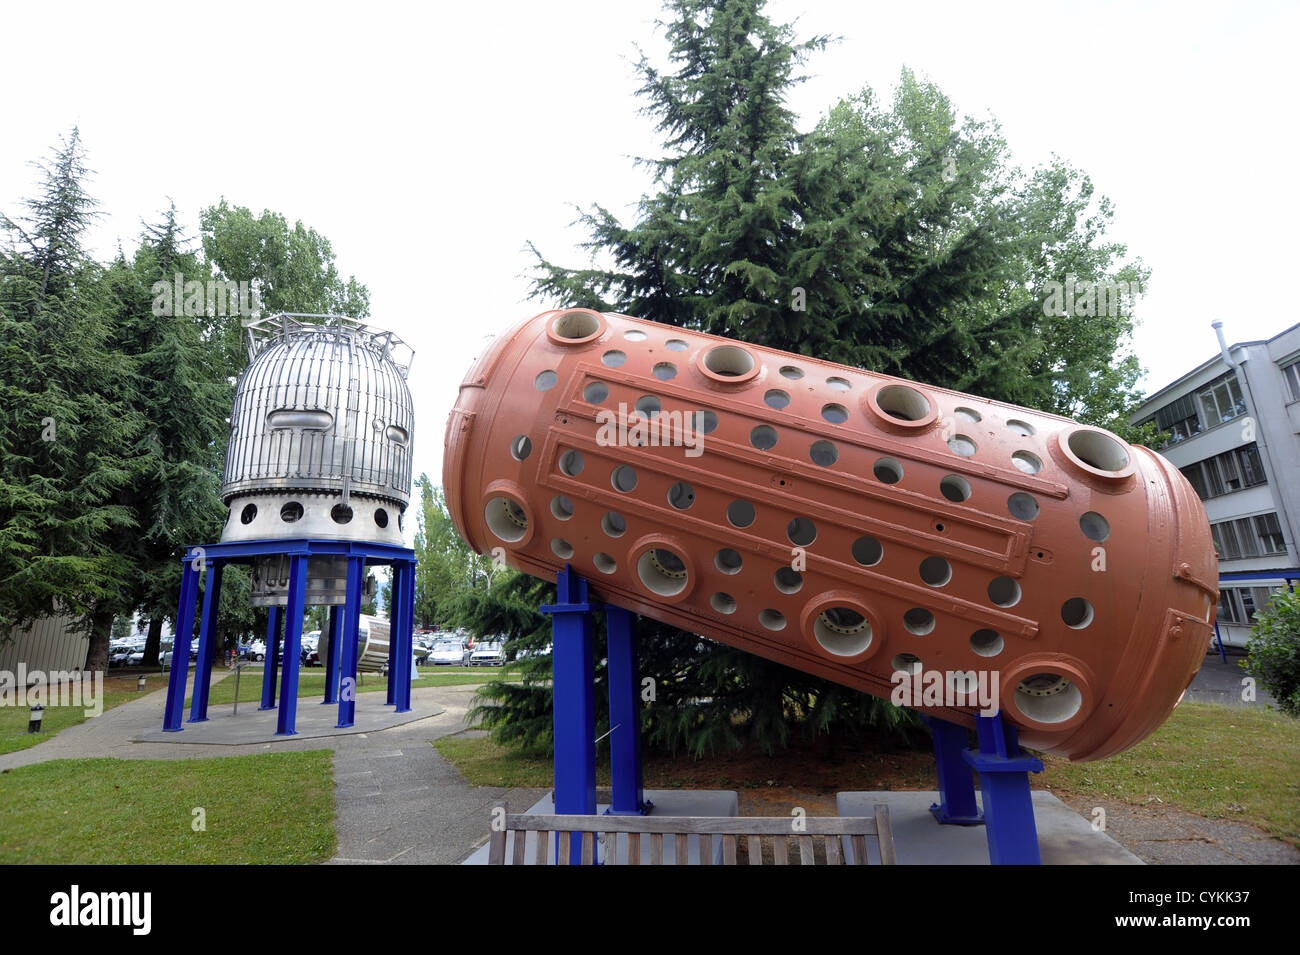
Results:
x,y
320,445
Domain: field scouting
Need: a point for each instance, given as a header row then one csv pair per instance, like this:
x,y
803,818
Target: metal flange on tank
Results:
x,y
867,529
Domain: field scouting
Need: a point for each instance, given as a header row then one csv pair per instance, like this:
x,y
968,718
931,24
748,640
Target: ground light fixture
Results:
x,y
139,684
34,720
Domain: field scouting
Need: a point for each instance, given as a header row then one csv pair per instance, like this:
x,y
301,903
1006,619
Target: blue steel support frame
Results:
x,y
628,797
181,646
271,659
289,621
286,719
573,690
956,805
348,651
404,600
1004,781
207,637
332,661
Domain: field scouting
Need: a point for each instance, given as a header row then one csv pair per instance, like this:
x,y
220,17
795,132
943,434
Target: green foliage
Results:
x,y
1273,651
446,568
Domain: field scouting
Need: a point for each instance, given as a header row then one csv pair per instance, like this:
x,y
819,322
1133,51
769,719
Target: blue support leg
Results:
x,y
1004,781
1218,639
287,717
572,686
348,649
624,715
332,660
181,648
207,641
956,805
271,658
403,597
399,654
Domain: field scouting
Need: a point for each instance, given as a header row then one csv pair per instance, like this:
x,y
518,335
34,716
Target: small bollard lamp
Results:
x,y
139,684
34,721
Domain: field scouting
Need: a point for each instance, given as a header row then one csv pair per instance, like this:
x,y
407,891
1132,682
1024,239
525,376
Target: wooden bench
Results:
x,y
755,830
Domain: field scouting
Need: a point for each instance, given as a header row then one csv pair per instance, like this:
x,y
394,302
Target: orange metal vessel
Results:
x,y
880,533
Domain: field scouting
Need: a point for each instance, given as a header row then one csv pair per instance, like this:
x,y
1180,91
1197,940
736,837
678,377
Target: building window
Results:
x,y
1291,374
1222,401
1179,418
1238,605
1248,537
1226,472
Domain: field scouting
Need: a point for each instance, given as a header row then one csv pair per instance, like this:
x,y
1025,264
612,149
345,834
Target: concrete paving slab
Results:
x,y
1064,837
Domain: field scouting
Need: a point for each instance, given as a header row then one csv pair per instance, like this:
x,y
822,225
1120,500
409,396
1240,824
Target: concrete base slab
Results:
x,y
1064,837
314,720
667,802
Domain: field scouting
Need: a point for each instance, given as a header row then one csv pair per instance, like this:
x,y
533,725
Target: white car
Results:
x,y
488,654
449,652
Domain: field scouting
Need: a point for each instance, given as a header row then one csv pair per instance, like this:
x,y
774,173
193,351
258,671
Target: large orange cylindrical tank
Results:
x,y
889,536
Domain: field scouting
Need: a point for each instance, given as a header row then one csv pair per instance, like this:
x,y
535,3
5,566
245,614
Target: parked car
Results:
x,y
257,651
488,653
117,655
447,652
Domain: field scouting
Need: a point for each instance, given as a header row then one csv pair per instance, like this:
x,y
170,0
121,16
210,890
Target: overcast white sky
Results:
x,y
428,143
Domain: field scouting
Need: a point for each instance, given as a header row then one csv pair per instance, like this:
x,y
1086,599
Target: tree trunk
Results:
x,y
153,642
101,625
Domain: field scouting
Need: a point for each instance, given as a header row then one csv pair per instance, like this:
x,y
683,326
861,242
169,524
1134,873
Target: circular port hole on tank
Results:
x,y
706,422
681,495
664,371
381,517
634,335
613,358
291,512
604,563
623,478
772,619
575,326
903,403
918,621
1098,450
888,471
776,398
838,384
676,344
506,519
341,514
936,571
801,531
728,561
763,437
791,372
969,415
787,580
1022,428
842,631
740,513
1028,462
649,405
723,603
962,444
571,463
986,643
562,548
729,363
520,447
834,413
1022,506
561,507
823,453
1076,613
595,392
662,572
613,524
1047,698
908,663
1004,591
545,380
248,514
955,488
1094,526
867,551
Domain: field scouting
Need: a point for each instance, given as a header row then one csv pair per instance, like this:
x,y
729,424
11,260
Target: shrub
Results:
x,y
1273,651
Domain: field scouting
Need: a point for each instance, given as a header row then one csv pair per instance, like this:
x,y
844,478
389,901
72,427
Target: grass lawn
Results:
x,y
275,808
1215,761
117,690
311,682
